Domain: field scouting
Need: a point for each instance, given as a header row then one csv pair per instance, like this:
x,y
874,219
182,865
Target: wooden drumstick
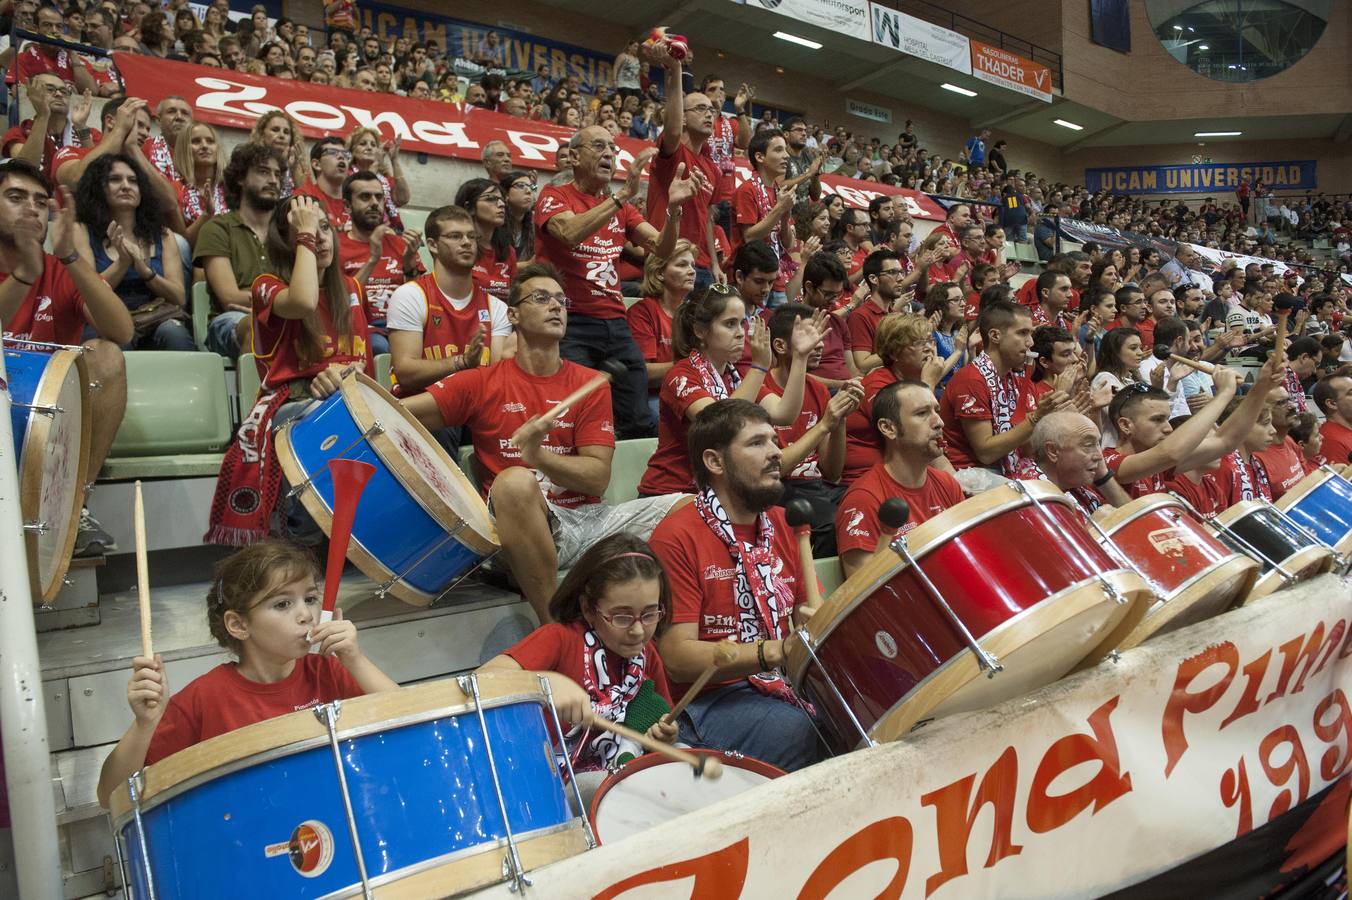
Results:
x,y
798,512
724,655
138,516
1204,367
704,766
572,398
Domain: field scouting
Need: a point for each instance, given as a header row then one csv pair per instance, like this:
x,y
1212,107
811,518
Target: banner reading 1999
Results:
x,y
1202,178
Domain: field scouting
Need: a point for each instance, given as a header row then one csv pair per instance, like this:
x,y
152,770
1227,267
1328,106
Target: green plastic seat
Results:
x,y
201,311
382,374
627,468
829,574
178,421
630,301
247,373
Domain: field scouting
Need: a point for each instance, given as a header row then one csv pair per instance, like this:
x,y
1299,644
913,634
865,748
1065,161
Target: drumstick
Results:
x,y
724,655
798,512
572,398
704,766
138,516
1204,367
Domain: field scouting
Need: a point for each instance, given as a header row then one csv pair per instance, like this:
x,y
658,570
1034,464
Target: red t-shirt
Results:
x,y
967,396
589,276
276,339
751,202
863,447
494,401
334,207
40,59
815,398
495,275
1337,447
385,277
695,212
651,327
857,525
52,311
863,325
669,468
222,700
1208,497
101,70
701,570
1141,487
1147,329
560,648
834,342
1027,293
1284,464
15,138
65,155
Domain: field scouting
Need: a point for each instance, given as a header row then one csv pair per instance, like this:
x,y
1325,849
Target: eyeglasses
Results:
x,y
544,298
700,108
63,90
891,272
495,199
525,185
335,153
601,146
627,620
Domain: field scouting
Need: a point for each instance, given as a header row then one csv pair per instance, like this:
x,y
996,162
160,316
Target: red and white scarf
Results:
x,y
1257,487
1294,389
249,483
711,378
194,208
764,600
609,699
1004,402
1088,498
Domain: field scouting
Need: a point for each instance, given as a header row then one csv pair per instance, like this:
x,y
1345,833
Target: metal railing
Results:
x,y
973,28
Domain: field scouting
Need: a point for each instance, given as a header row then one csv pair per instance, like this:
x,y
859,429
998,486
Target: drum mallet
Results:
x,y
1205,368
704,766
138,517
349,480
893,513
724,655
798,513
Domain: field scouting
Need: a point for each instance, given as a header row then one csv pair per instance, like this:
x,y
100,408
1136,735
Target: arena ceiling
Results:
x,y
855,66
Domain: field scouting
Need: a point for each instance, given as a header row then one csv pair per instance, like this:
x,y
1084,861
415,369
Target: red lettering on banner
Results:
x,y
1332,763
1047,812
890,838
1280,773
1235,789
955,812
1182,701
717,876
1305,647
1248,703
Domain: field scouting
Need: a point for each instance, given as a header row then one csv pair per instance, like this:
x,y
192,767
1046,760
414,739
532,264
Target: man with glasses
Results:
x,y
232,247
53,125
329,159
37,59
684,152
801,159
543,477
581,229
882,272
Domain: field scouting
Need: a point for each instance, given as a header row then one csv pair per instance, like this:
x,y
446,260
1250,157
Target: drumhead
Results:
x,y
55,461
654,789
421,465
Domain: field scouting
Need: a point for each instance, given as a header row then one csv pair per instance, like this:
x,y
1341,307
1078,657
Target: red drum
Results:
x,y
1018,568
1194,575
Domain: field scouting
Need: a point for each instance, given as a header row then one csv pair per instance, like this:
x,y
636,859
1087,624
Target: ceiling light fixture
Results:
x,y
1203,46
1217,133
795,39
1071,125
957,90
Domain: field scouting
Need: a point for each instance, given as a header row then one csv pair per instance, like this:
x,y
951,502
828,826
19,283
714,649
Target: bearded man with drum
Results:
x,y
50,298
906,417
735,576
542,477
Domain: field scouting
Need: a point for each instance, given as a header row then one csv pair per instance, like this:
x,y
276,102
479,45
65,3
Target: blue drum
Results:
x,y
422,776
49,394
1321,502
420,525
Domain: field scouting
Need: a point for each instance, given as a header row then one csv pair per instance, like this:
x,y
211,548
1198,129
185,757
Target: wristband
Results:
x,y
759,368
760,656
1106,477
308,240
68,260
15,276
619,204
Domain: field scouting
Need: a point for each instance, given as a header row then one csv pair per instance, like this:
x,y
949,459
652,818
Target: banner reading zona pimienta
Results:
x,y
1201,178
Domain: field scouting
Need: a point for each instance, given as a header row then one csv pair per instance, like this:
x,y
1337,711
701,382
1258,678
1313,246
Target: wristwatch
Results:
x,y
68,260
1105,478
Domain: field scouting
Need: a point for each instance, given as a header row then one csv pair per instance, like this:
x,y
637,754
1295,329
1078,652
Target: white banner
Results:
x,y
1168,757
916,37
849,17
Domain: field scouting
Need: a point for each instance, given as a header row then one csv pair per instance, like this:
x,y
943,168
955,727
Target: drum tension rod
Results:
x,y
134,795
568,764
328,715
299,489
988,663
512,863
831,683
39,408
384,587
36,527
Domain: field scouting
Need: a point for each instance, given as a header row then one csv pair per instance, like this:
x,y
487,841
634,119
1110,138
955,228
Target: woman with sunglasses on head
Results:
x,y
599,651
497,263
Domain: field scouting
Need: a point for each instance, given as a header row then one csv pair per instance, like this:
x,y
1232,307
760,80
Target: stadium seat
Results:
x,y
627,467
248,384
382,374
201,309
1024,253
177,422
630,301
829,574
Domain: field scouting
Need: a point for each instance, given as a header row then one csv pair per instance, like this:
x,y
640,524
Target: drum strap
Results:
x,y
710,377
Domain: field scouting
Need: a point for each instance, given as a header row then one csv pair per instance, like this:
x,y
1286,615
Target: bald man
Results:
x,y
1066,453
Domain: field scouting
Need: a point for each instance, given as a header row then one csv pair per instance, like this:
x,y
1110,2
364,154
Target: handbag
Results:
x,y
148,316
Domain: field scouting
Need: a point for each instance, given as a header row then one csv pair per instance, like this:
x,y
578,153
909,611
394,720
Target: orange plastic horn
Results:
x,y
349,480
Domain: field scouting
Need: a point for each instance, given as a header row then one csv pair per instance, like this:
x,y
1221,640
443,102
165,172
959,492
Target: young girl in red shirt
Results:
x,y
263,607
599,650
